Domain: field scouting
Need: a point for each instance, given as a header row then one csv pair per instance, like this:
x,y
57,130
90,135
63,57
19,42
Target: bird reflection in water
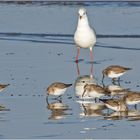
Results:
x,y
3,111
118,115
2,108
78,69
81,81
90,109
58,110
131,115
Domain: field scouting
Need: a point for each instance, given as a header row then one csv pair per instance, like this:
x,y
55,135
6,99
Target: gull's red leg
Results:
x,y
91,54
91,70
91,58
77,55
78,70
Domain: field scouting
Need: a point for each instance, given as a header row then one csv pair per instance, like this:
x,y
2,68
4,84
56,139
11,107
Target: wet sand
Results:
x,y
37,49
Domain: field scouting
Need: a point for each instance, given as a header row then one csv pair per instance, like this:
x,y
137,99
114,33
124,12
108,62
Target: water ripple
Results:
x,y
62,39
17,34
74,3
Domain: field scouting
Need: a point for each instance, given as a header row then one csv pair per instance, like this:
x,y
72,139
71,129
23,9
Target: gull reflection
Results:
x,y
58,110
90,109
81,81
78,69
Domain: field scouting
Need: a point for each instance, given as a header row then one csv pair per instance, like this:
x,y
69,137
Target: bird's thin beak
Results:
x,y
47,99
83,93
103,77
80,17
103,80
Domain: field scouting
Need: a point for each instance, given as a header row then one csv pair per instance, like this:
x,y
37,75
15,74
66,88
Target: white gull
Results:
x,y
84,36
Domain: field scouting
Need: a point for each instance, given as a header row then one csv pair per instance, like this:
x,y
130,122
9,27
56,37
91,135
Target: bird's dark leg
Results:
x,y
113,80
57,98
119,81
47,100
77,55
135,106
95,100
108,111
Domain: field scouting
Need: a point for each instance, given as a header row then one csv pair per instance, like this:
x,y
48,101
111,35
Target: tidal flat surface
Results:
x,y
37,49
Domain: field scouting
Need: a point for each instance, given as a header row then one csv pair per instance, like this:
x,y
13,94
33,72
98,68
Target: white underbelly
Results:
x,y
84,40
115,75
95,94
2,89
59,92
132,102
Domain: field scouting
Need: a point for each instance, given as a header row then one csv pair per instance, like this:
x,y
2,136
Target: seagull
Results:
x,y
132,98
84,36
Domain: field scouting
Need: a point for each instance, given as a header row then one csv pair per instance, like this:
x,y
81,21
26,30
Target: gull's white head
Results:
x,y
82,13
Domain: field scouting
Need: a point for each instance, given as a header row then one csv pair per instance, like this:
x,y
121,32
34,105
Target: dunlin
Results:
x,y
115,104
132,98
80,82
57,89
84,36
94,91
114,71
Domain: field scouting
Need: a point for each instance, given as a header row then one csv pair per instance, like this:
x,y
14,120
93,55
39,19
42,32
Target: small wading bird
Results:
x,y
80,82
57,89
94,91
132,98
114,72
84,36
115,104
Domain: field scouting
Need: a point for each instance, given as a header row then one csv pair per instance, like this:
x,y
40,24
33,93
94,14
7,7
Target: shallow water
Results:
x,y
37,49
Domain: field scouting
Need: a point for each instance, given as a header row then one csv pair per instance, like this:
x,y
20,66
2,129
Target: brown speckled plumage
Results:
x,y
116,69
